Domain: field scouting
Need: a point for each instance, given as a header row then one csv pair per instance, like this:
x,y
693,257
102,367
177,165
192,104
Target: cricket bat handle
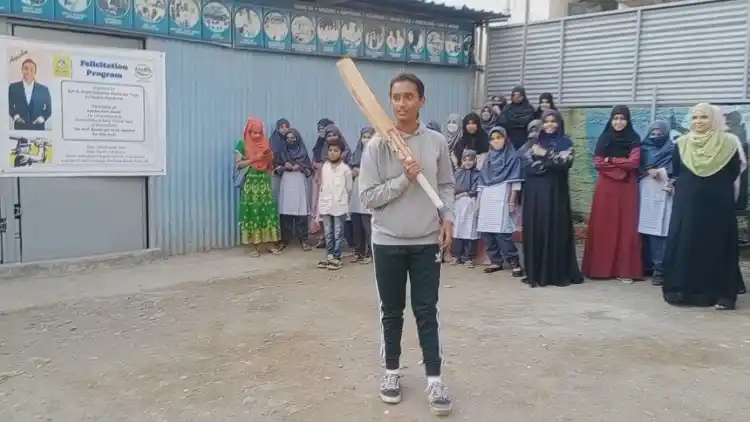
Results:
x,y
430,191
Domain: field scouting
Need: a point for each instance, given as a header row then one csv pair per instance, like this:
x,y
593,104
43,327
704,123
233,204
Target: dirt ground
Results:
x,y
222,337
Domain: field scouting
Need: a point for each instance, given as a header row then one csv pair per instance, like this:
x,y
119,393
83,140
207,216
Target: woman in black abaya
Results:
x,y
516,117
549,253
701,263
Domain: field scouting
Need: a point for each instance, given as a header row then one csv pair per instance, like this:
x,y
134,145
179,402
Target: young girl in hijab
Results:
x,y
516,117
452,133
655,196
294,167
465,234
498,104
277,145
473,137
549,249
258,220
499,183
613,246
488,118
361,224
701,262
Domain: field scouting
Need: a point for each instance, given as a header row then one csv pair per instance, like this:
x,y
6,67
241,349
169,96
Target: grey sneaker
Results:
x,y
390,389
438,399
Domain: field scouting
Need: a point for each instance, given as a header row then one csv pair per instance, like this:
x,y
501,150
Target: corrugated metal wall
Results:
x,y
688,52
211,91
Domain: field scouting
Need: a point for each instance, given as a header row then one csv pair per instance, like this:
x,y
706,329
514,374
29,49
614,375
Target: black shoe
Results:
x,y
657,280
390,389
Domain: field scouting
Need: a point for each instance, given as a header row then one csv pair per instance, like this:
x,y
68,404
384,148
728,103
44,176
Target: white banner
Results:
x,y
82,111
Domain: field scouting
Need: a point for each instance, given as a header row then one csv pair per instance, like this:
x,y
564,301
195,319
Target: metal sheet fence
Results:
x,y
690,52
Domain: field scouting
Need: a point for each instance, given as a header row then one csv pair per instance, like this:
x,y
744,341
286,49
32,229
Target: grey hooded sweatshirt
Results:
x,y
402,213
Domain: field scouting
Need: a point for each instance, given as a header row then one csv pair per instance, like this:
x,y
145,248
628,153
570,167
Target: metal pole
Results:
x,y
527,7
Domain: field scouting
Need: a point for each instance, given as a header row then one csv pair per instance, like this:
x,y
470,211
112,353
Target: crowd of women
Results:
x,y
662,208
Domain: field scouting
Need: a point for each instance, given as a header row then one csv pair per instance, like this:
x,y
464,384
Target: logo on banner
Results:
x,y
61,66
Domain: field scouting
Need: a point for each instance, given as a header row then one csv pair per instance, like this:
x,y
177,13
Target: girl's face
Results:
x,y
619,122
544,104
656,133
550,124
701,122
468,162
486,114
452,127
291,138
283,128
366,137
471,127
255,134
334,153
497,141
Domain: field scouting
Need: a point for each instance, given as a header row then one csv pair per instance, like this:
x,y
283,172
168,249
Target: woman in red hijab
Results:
x,y
258,219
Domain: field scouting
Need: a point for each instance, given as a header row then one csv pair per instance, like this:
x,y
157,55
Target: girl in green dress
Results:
x,y
258,219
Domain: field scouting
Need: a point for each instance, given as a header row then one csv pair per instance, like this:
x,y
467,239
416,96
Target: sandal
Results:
x,y
334,264
469,263
306,247
454,261
366,260
357,258
517,271
322,264
254,253
493,268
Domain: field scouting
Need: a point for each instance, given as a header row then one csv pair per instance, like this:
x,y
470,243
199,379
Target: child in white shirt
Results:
x,y
333,202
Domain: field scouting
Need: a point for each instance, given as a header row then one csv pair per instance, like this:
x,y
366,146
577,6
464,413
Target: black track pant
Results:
x,y
421,263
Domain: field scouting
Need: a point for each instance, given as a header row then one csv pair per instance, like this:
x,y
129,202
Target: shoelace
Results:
x,y
390,382
437,390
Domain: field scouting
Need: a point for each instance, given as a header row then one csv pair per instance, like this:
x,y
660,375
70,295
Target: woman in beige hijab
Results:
x,y
701,264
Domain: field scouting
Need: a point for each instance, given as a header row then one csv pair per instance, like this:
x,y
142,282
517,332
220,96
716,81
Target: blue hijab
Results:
x,y
356,159
467,179
295,151
277,139
502,165
553,142
656,152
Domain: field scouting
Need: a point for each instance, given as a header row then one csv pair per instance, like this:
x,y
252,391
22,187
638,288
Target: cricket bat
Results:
x,y
383,124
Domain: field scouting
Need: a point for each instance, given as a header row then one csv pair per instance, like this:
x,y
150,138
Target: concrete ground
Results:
x,y
223,337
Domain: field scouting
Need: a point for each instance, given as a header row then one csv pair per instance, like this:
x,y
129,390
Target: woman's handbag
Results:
x,y
239,175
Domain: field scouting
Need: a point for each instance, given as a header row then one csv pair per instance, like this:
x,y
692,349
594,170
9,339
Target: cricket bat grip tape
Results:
x,y
430,191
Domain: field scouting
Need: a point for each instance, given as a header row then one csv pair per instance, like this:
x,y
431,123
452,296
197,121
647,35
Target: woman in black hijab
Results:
x,y
613,245
516,117
473,137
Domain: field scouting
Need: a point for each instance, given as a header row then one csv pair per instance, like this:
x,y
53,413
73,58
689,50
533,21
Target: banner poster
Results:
x,y
374,39
352,38
276,29
304,33
217,22
454,48
395,42
151,16
185,18
89,112
329,35
416,40
435,47
75,11
114,13
248,27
